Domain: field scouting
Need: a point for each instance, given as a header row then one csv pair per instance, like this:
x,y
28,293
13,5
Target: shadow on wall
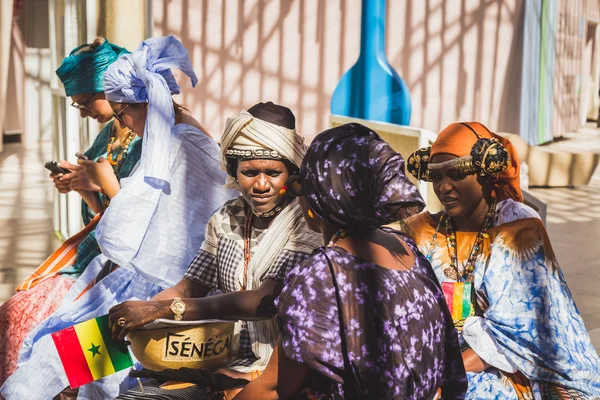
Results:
x,y
460,58
290,52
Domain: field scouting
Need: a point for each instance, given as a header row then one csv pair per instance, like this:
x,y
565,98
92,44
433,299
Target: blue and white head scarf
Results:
x,y
144,76
82,71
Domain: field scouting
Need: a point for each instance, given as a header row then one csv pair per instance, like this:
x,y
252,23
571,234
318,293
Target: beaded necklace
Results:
x,y
248,237
267,214
247,254
459,293
110,156
339,235
124,150
453,271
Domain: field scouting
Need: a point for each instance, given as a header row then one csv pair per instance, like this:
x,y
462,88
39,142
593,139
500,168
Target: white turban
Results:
x,y
246,133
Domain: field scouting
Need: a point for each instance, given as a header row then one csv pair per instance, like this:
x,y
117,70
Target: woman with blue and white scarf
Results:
x,y
155,222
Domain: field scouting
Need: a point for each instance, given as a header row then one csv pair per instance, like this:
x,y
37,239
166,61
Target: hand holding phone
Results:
x,y
53,167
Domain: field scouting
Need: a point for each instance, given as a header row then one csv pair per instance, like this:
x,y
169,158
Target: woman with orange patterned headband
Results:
x,y
521,334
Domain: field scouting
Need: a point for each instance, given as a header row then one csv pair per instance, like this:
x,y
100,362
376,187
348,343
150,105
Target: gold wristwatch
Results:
x,y
178,307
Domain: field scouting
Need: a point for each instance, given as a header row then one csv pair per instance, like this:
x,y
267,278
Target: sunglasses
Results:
x,y
119,116
84,105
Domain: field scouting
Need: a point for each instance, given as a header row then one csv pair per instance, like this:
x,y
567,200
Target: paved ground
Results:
x,y
26,237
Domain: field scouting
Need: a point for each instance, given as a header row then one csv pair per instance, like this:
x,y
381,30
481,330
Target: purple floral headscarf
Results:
x,y
355,180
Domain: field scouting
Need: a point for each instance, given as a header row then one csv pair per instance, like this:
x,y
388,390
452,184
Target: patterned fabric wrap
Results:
x,y
418,164
145,77
551,392
23,312
400,336
153,391
246,132
275,251
355,180
84,72
458,139
531,315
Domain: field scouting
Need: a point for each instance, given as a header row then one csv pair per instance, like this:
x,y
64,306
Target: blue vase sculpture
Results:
x,y
372,89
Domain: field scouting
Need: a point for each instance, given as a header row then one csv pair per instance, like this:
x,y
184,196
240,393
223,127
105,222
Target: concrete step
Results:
x,y
566,163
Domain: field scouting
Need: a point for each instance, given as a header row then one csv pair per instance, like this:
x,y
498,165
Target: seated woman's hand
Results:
x,y
81,181
131,315
99,173
62,182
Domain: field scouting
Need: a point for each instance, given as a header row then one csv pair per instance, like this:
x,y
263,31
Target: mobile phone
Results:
x,y
81,156
53,167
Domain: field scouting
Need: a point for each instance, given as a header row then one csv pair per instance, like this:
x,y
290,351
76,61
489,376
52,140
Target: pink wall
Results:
x,y
460,58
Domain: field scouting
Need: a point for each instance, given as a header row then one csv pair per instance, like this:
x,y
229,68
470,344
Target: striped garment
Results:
x,y
62,258
152,391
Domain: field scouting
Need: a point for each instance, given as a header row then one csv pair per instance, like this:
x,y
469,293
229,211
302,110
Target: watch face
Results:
x,y
178,307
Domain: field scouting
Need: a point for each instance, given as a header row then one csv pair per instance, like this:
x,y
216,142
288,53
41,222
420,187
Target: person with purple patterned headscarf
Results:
x,y
363,317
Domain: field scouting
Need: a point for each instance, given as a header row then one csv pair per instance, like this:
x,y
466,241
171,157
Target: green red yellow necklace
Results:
x,y
459,293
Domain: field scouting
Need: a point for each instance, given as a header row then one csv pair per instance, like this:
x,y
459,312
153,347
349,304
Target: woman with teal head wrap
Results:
x,y
82,73
83,70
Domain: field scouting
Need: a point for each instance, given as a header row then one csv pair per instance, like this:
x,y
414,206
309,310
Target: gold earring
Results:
x,y
310,214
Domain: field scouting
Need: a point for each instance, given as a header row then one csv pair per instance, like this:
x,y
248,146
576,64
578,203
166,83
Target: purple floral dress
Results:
x,y
399,334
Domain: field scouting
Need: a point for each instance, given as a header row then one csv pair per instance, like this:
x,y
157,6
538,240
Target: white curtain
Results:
x,y
6,22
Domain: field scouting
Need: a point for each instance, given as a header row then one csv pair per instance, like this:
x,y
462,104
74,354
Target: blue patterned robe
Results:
x,y
531,315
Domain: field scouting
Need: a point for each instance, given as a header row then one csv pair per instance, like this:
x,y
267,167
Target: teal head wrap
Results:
x,y
84,72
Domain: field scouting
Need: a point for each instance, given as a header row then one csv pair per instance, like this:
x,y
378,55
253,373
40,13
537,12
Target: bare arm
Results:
x,y
185,288
111,188
92,200
265,386
100,173
282,378
473,363
248,305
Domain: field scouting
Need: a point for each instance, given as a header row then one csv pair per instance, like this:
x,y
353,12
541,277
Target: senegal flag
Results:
x,y
88,352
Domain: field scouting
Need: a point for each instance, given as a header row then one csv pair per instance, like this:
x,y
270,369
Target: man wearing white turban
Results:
x,y
251,243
